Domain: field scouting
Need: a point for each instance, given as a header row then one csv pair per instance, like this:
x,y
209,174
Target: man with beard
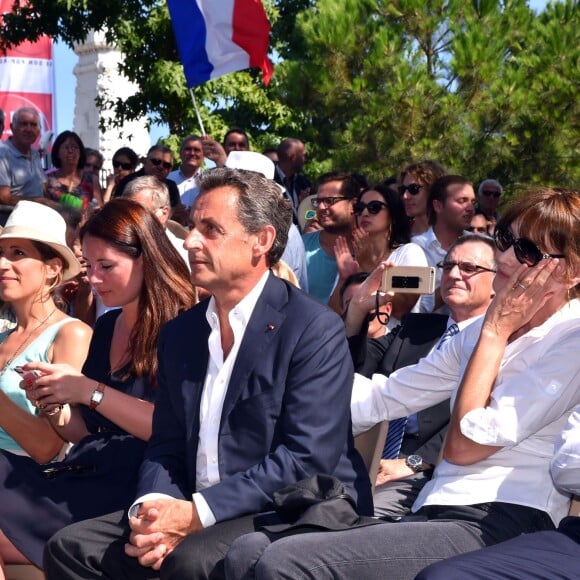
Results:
x,y
334,203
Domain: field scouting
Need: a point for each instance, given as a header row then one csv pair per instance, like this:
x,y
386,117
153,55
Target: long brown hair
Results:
x,y
166,291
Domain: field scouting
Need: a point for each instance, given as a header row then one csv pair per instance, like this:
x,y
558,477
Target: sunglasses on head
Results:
x,y
525,250
158,162
125,166
489,193
373,207
412,188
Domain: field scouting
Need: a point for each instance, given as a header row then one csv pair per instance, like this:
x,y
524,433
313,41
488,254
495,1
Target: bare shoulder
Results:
x,y
74,330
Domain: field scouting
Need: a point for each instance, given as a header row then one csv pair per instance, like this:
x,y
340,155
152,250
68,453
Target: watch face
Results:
x,y
414,461
97,397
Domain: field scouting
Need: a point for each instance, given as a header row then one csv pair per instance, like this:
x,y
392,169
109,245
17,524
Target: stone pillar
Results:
x,y
98,76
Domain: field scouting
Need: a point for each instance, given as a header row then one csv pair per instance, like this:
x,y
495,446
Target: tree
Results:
x,y
486,86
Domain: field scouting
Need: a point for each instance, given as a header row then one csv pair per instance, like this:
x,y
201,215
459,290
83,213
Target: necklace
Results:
x,y
21,345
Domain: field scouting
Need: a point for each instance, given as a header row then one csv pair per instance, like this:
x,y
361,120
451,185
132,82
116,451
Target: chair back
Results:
x,y
370,446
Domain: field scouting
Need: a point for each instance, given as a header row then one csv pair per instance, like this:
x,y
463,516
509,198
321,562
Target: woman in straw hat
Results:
x,y
106,411
34,260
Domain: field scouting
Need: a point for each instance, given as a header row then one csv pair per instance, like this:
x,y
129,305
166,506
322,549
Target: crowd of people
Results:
x,y
188,356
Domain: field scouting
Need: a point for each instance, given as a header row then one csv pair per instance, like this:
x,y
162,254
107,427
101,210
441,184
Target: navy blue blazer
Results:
x,y
286,414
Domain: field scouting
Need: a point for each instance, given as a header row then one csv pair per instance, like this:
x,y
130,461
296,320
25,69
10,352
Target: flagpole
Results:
x,y
197,112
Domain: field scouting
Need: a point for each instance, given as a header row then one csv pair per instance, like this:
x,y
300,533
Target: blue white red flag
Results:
x,y
216,37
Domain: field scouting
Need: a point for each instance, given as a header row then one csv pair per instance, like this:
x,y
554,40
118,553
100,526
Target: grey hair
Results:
x,y
18,112
159,191
470,239
485,182
260,203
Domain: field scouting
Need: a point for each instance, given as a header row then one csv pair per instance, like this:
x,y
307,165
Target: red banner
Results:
x,y
27,78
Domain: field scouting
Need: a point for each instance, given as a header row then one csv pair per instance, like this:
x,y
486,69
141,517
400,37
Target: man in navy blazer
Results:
x,y
254,395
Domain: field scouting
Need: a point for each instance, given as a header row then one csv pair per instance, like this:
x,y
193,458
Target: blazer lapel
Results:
x,y
262,328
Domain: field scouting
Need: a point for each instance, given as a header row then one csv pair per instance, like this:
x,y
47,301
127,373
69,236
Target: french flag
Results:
x,y
216,37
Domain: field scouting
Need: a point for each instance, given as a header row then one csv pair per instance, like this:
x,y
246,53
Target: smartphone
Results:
x,y
409,280
27,375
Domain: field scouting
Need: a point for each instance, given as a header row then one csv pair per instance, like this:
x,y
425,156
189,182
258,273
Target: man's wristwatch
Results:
x,y
415,462
97,396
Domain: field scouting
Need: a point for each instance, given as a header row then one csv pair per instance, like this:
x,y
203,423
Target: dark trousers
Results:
x,y
394,551
553,555
96,549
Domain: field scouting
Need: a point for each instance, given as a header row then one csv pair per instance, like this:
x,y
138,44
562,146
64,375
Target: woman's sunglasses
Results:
x,y
373,207
125,166
412,188
525,250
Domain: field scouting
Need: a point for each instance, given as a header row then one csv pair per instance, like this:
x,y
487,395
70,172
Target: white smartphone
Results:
x,y
27,375
409,280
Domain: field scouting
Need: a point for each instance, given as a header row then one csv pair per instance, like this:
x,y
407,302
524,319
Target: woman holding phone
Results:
x,y
34,260
106,410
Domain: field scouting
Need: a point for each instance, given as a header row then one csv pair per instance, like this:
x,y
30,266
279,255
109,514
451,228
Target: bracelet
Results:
x,y
53,412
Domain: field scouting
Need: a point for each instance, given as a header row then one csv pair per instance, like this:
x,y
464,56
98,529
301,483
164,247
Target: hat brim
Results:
x,y
73,266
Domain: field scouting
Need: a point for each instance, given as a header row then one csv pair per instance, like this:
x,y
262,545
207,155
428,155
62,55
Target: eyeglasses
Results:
x,y
327,201
373,207
412,188
158,162
126,166
489,193
525,250
465,267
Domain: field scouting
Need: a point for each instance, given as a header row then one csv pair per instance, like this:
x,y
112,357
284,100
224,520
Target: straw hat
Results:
x,y
34,221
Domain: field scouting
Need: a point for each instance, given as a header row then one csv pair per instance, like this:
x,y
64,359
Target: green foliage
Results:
x,y
486,86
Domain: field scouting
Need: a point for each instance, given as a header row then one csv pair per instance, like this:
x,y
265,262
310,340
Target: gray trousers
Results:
x,y
395,498
95,548
397,551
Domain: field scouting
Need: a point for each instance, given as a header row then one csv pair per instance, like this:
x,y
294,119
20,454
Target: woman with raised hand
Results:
x,y
382,234
107,410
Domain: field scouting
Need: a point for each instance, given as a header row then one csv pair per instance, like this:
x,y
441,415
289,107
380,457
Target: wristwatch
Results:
x,y
97,396
415,462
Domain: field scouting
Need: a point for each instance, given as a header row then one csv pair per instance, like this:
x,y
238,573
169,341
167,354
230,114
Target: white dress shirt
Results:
x,y
537,386
216,383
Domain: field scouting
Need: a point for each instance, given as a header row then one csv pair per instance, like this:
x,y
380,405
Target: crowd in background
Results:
x,y
476,379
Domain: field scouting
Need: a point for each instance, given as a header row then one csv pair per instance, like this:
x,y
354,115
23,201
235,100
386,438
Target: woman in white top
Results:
x,y
514,378
382,235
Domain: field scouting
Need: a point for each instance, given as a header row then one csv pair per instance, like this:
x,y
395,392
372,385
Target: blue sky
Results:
x,y
65,82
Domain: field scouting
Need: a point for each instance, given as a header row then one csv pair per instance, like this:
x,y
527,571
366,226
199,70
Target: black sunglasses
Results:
x,y
327,201
373,207
125,166
465,267
158,162
489,193
525,250
412,188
